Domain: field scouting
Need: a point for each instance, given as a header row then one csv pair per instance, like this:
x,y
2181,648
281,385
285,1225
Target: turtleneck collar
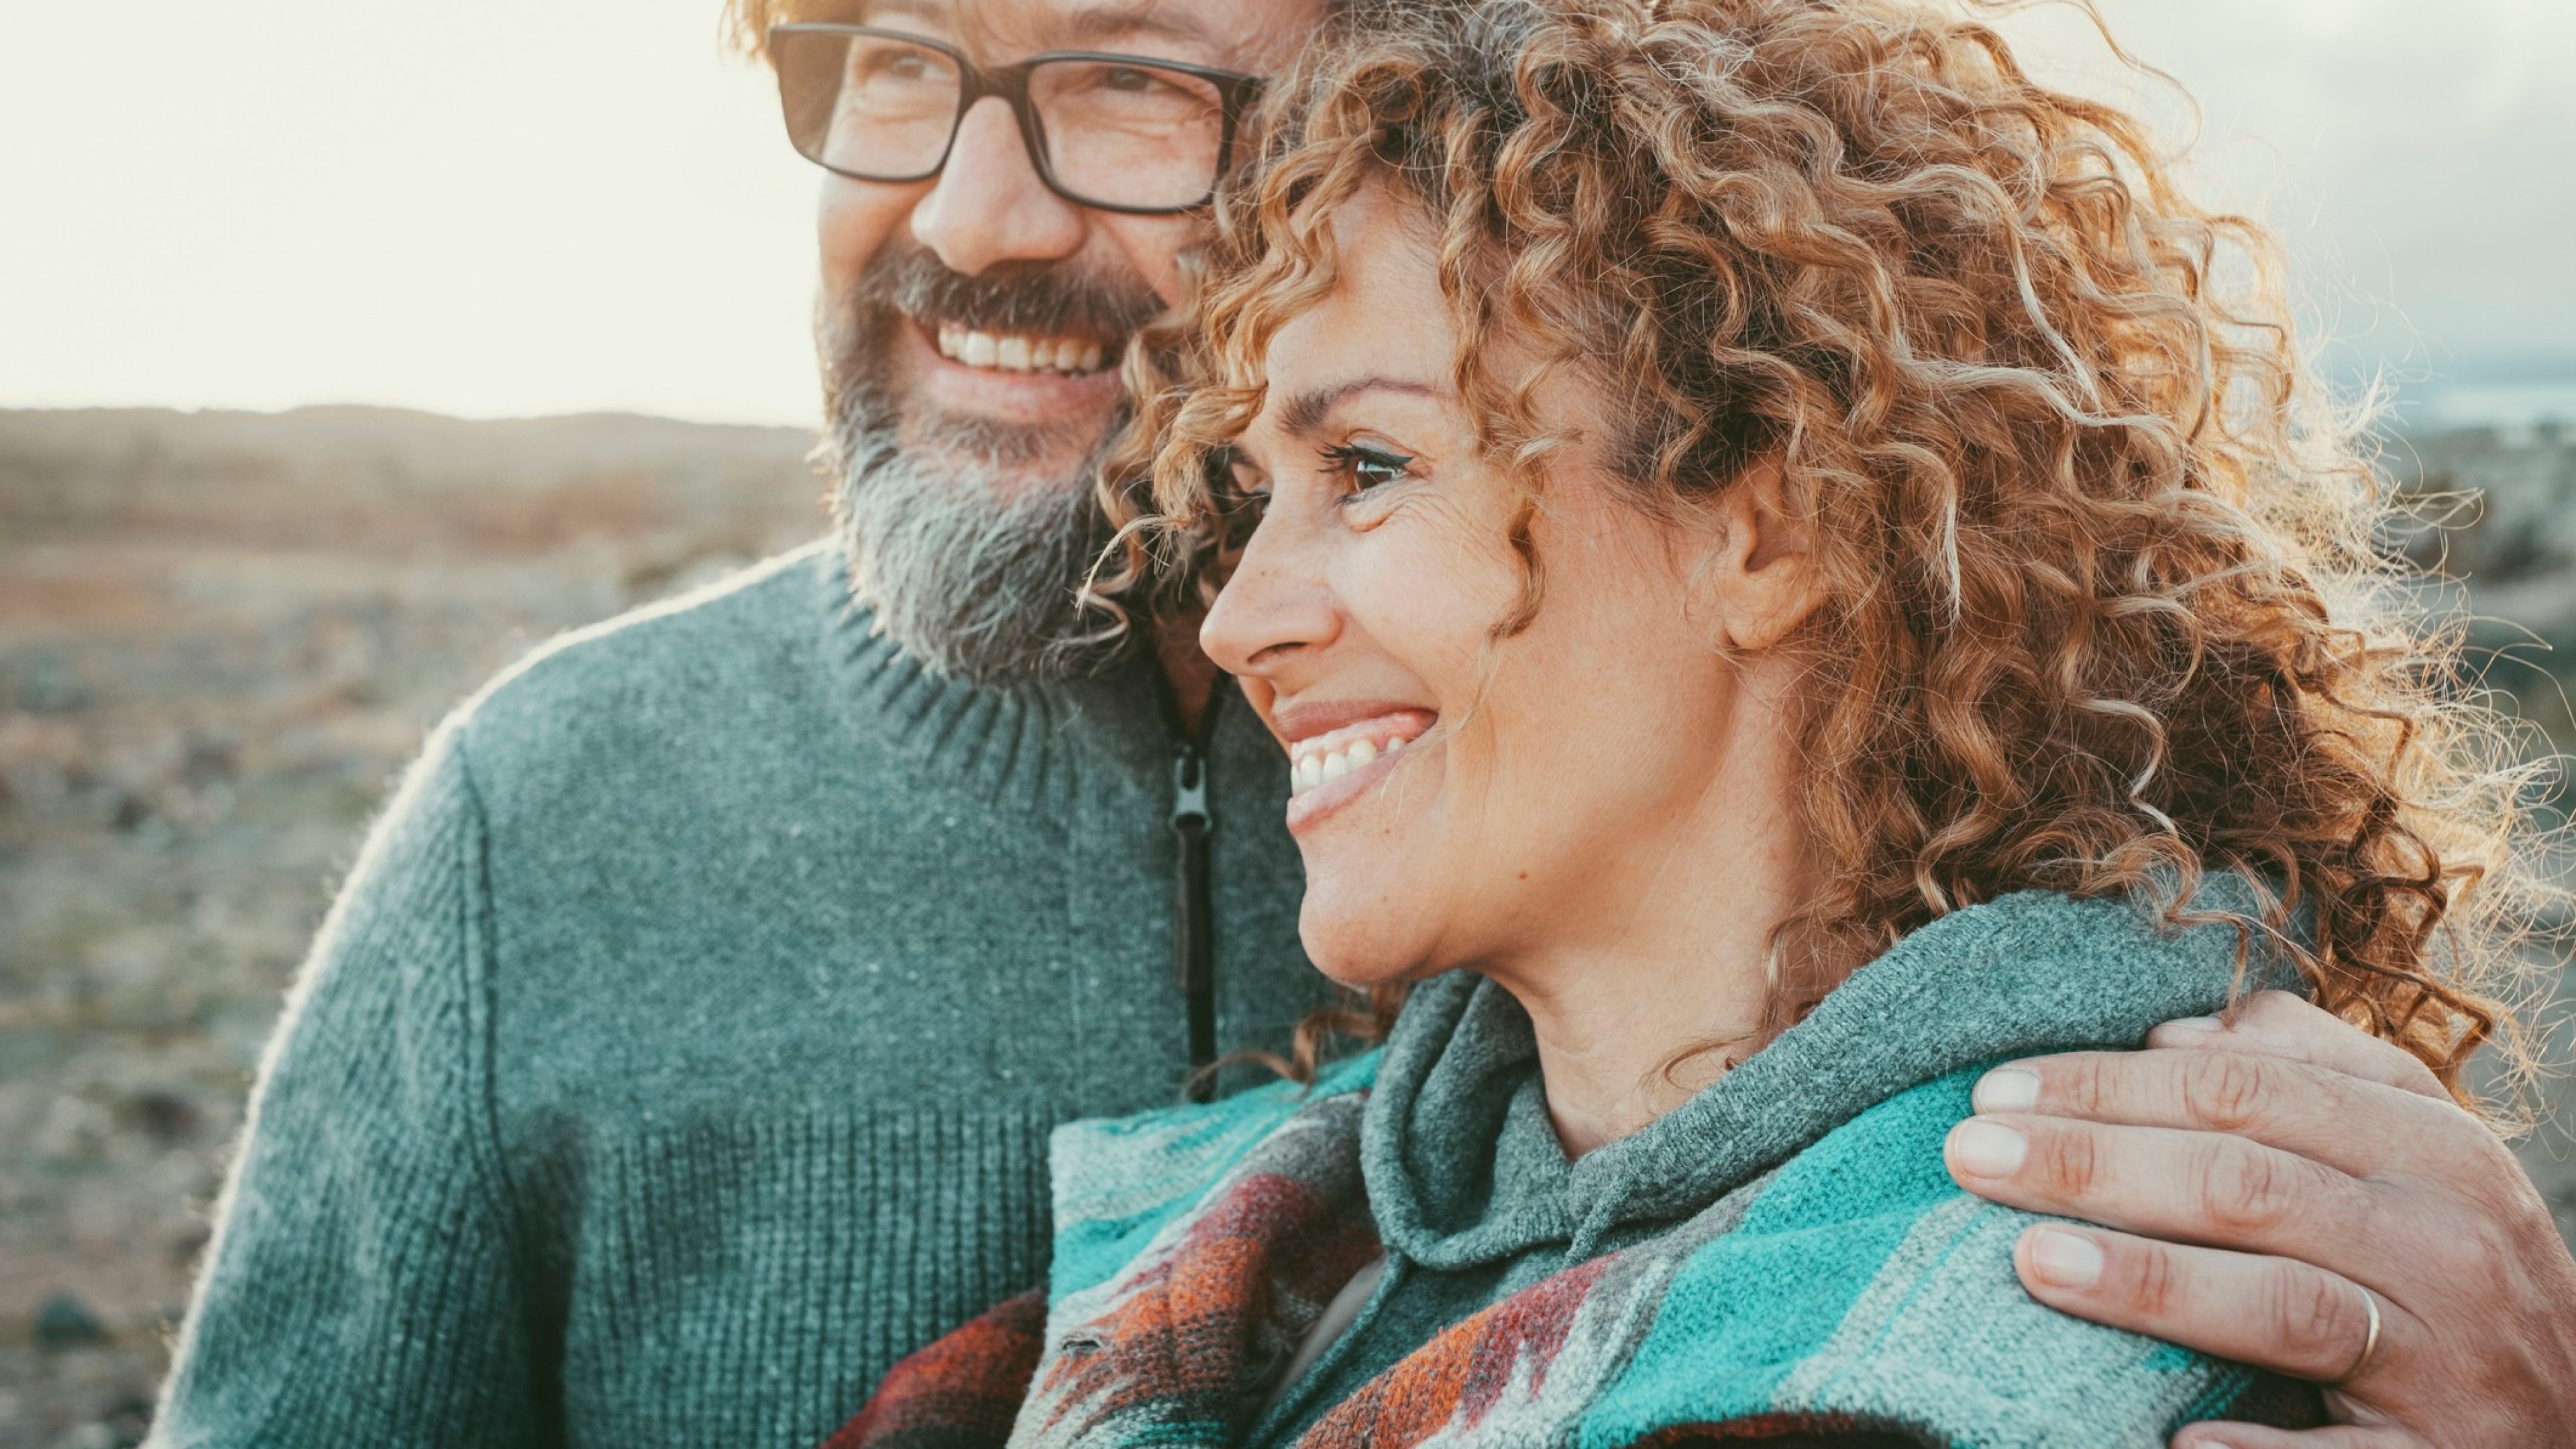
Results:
x,y
1027,744
1464,1168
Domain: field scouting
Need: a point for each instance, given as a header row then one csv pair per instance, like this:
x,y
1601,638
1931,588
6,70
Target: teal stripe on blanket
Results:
x,y
1863,1278
1753,1306
1116,1179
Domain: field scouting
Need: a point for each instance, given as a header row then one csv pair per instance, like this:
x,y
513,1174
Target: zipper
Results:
x,y
1194,893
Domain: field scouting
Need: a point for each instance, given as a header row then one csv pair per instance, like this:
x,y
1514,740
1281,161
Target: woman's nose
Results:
x,y
1276,615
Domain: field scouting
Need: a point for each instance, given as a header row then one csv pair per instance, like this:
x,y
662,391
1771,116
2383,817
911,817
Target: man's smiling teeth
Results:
x,y
1018,352
1326,758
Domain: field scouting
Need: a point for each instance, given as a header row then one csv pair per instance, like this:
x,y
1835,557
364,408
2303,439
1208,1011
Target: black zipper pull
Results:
x,y
1189,786
1194,911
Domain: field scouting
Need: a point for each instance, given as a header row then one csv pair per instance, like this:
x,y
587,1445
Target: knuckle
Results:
x,y
2078,1084
2480,1260
2457,1254
2315,1317
2482,1157
2229,1091
2248,1191
2070,1162
2463,1159
2154,1283
2413,1076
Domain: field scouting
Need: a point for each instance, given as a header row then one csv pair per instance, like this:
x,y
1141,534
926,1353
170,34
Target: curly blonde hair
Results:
x,y
2112,602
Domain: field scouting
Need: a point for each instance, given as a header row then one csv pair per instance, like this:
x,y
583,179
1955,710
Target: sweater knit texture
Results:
x,y
1784,1255
682,1049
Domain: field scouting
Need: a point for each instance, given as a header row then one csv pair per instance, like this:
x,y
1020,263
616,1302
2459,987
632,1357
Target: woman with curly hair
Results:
x,y
1791,566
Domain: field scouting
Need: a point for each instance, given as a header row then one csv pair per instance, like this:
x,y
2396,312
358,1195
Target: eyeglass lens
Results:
x,y
1116,133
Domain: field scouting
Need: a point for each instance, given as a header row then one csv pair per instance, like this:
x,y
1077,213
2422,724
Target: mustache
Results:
x,y
1041,298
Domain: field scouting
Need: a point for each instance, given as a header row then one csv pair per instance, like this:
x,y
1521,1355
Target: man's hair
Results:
x,y
2112,601
747,22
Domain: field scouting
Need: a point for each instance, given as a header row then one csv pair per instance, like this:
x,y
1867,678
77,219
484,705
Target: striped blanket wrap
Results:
x,y
1852,1294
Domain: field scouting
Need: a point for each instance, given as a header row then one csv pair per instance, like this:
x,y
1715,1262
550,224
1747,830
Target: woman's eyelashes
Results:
x,y
1366,467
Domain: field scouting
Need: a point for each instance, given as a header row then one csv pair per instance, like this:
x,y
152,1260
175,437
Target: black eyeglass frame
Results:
x,y
1235,93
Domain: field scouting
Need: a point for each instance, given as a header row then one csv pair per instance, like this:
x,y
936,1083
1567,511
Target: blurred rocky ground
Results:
x,y
221,636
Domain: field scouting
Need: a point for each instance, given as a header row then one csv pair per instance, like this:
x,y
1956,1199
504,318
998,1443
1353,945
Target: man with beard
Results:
x,y
682,1050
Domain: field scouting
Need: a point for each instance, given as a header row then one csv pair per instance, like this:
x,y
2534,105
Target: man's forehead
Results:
x,y
1218,30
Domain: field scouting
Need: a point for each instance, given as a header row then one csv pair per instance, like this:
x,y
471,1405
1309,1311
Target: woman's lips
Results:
x,y
1327,770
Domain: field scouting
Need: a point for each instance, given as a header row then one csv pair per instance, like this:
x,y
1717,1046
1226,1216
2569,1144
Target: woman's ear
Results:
x,y
1760,580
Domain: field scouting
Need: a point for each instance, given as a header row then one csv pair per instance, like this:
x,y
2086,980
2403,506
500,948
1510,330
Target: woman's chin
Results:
x,y
1359,955
1365,980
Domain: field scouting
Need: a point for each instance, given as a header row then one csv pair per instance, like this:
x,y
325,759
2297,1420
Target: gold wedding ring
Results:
x,y
2369,1342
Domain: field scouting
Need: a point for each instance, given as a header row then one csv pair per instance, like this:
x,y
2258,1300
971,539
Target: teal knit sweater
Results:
x,y
683,1048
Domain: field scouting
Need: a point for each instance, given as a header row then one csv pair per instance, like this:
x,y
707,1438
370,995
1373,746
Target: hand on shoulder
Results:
x,y
2268,1187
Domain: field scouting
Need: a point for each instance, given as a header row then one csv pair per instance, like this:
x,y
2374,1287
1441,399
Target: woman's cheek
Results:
x,y
1430,592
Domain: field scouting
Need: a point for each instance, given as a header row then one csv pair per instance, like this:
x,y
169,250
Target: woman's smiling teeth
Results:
x,y
1018,352
1317,762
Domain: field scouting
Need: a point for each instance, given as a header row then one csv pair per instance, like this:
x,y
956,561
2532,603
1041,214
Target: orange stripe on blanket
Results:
x,y
1462,1372
961,1392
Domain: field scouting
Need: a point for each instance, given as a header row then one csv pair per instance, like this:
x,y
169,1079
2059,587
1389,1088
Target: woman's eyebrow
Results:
x,y
1306,411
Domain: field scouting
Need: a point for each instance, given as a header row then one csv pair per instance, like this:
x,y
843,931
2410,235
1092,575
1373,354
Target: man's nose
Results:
x,y
988,204
1276,615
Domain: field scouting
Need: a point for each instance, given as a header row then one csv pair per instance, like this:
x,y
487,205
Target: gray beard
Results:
x,y
970,556
976,576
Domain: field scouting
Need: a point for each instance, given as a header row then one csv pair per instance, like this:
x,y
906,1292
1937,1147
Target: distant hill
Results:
x,y
343,477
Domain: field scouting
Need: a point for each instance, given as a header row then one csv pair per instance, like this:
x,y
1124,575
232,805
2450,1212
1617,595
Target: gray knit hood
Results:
x,y
1464,1168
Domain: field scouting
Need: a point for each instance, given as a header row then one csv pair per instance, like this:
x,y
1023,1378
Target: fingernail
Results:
x,y
2198,1024
2068,1260
1988,1149
2007,1089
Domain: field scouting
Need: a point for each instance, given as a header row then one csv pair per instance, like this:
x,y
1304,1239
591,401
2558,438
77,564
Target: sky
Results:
x,y
524,207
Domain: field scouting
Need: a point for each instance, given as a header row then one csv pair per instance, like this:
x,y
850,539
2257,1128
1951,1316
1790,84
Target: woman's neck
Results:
x,y
1646,999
